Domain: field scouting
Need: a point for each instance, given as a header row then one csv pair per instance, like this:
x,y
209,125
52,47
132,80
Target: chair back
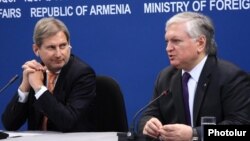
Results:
x,y
108,111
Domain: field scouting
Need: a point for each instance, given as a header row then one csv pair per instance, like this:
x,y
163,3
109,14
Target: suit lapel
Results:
x,y
176,88
60,84
202,86
199,96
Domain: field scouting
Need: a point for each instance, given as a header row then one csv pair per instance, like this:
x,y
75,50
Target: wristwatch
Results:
x,y
195,135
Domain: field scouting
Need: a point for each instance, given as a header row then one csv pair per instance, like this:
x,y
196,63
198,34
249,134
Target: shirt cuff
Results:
x,y
23,96
40,92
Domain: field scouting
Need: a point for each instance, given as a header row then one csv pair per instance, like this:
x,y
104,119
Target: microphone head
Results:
x,y
165,92
14,78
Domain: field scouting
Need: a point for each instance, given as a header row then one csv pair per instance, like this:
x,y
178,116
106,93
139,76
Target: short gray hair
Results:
x,y
197,24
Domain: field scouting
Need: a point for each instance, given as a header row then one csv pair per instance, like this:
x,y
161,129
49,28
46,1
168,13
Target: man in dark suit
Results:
x,y
216,87
65,107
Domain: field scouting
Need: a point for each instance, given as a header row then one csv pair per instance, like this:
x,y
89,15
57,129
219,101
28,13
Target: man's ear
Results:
x,y
36,50
201,43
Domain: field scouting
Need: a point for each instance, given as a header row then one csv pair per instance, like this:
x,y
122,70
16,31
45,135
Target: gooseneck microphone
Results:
x,y
13,79
131,135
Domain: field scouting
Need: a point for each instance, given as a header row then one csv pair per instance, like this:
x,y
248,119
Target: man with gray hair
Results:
x,y
214,87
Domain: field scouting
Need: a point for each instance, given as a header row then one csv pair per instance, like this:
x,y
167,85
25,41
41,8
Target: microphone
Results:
x,y
132,134
13,79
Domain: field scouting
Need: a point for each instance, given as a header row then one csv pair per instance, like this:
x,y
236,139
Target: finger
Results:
x,y
29,70
33,64
151,130
155,122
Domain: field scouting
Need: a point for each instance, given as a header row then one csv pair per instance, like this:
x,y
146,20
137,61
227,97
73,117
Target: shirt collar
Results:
x,y
196,71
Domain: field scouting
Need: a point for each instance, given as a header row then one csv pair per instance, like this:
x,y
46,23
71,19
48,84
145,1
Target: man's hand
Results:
x,y
176,132
28,68
152,128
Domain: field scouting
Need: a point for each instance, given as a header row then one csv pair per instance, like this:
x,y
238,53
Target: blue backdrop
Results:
x,y
120,38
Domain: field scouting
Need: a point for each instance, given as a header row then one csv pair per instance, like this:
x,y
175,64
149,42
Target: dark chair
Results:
x,y
109,112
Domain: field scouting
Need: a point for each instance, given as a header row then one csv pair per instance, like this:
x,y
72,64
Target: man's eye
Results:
x,y
50,47
63,46
176,41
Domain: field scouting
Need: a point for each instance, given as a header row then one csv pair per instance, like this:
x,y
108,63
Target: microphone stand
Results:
x,y
13,79
132,134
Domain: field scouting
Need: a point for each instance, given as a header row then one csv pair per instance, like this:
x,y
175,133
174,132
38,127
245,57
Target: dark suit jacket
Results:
x,y
66,109
223,91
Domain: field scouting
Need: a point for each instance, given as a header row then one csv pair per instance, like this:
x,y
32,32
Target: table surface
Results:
x,y
55,136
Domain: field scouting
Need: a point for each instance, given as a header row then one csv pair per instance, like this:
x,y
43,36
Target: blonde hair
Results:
x,y
47,27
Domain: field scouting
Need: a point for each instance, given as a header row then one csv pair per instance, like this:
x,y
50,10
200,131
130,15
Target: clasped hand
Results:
x,y
168,132
32,76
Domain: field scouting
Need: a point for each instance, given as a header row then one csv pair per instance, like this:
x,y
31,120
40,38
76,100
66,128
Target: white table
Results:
x,y
55,136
